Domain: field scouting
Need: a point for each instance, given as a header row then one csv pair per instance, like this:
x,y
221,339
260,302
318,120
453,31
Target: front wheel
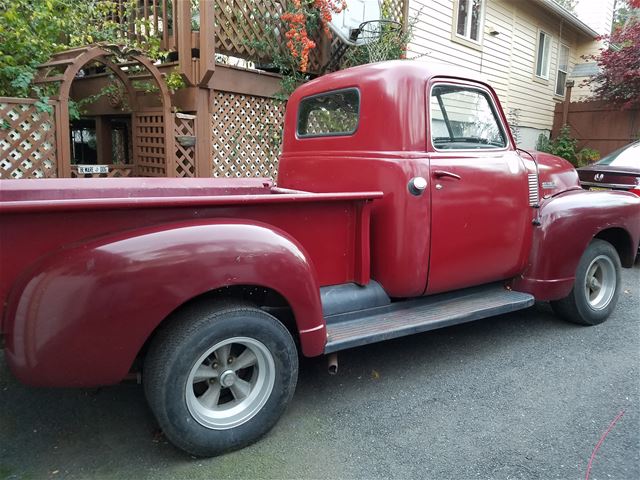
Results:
x,y
596,288
218,379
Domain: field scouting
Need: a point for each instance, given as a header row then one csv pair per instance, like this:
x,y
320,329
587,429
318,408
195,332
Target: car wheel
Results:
x,y
217,379
596,288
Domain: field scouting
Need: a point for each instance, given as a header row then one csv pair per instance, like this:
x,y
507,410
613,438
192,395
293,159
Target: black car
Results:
x,y
619,170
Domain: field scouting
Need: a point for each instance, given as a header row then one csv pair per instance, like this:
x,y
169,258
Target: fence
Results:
x,y
598,125
245,138
230,27
246,131
28,144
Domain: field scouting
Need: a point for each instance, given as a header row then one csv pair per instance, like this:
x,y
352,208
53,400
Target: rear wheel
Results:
x,y
218,379
596,288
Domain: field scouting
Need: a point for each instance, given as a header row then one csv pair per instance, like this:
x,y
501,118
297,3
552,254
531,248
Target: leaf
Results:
x,y
42,105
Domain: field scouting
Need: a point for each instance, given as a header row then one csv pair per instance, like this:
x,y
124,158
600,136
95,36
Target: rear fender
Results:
x,y
80,316
568,223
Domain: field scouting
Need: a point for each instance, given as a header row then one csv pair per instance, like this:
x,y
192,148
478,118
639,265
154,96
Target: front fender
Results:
x,y
80,316
568,223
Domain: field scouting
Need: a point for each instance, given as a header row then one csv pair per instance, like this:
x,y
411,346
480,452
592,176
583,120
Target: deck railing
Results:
x,y
248,29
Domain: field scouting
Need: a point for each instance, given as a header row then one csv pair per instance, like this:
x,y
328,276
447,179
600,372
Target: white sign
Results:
x,y
83,169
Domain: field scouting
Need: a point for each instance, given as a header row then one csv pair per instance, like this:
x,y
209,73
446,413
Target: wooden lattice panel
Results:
x,y
394,10
185,154
246,135
27,140
242,23
149,148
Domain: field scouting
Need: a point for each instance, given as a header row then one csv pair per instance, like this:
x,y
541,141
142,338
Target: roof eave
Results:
x,y
569,18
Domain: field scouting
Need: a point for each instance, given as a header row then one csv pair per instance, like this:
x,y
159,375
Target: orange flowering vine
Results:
x,y
298,41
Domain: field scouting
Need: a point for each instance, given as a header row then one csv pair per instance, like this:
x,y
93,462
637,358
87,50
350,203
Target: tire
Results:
x,y
204,403
596,289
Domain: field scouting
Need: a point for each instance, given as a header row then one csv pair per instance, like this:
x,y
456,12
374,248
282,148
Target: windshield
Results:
x,y
628,156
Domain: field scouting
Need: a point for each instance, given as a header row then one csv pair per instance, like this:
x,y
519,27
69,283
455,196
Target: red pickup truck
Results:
x,y
402,205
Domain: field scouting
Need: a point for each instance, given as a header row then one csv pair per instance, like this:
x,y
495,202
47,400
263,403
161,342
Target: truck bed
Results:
x,y
43,217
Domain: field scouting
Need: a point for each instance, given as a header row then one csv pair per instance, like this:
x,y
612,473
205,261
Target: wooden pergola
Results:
x,y
152,133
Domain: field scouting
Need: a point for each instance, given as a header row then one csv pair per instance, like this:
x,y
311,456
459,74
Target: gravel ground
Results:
x,y
520,396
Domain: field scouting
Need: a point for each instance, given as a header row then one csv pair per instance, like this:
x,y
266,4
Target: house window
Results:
x,y
543,55
469,18
563,68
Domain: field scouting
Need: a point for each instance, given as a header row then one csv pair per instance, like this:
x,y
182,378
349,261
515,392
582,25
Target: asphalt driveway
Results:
x,y
520,396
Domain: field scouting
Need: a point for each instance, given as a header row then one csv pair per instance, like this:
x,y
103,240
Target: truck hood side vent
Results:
x,y
534,196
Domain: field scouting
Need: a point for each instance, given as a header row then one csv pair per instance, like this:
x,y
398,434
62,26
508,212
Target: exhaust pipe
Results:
x,y
333,363
133,377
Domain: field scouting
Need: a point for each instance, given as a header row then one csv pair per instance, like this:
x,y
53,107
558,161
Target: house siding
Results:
x,y
506,60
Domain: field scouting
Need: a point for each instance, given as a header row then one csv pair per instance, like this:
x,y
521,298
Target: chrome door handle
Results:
x,y
444,173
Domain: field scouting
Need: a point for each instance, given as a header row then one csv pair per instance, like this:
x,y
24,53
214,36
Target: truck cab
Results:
x,y
476,217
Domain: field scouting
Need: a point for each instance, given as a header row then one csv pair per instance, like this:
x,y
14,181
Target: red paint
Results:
x,y
600,442
569,221
93,266
68,313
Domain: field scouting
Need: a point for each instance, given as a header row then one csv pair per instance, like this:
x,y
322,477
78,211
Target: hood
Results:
x,y
556,175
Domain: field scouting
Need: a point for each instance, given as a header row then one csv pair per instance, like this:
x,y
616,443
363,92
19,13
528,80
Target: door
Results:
x,y
479,192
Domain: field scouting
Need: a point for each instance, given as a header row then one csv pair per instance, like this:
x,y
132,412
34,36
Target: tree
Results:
x,y
619,78
624,12
32,30
569,5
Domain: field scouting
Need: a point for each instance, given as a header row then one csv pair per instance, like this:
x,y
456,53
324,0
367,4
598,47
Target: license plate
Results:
x,y
598,189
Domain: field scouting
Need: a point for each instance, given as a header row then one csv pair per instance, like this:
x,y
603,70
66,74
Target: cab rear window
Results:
x,y
329,114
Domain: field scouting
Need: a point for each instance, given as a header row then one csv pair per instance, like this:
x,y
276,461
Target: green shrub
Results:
x,y
587,156
543,144
565,146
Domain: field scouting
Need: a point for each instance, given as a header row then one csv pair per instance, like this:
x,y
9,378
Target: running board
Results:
x,y
353,329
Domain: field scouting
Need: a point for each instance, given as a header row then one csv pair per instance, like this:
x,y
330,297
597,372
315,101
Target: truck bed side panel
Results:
x,y
80,316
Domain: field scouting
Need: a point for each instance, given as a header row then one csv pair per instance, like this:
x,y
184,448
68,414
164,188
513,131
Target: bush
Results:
x,y
564,145
587,156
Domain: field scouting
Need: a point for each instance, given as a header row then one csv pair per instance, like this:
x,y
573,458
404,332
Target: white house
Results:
x,y
526,49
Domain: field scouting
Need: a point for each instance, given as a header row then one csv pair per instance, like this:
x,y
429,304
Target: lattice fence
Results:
x,y
246,135
240,24
185,145
149,145
27,139
394,10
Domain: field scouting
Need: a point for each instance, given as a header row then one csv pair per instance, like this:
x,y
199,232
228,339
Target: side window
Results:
x,y
464,118
543,56
563,69
332,113
468,19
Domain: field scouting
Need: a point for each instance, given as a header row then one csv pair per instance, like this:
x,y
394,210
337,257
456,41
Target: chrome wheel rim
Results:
x,y
600,282
230,383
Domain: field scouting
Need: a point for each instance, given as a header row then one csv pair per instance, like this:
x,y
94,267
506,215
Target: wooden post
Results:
x,y
567,101
59,140
405,15
204,149
103,141
63,130
207,42
182,23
